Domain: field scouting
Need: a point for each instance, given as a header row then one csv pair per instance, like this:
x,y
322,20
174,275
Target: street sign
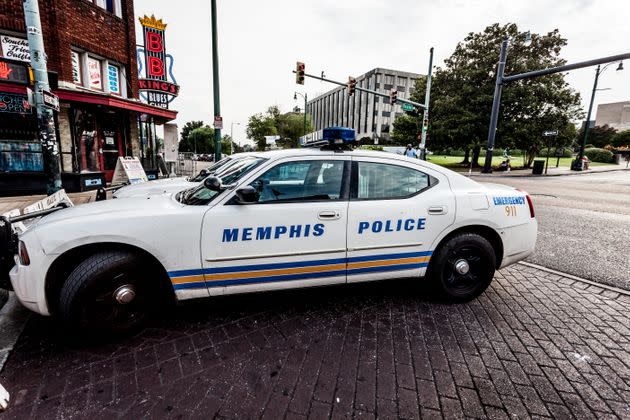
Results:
x,y
218,122
550,133
50,100
407,107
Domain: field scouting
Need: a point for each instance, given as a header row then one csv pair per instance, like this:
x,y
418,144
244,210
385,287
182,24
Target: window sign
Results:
x,y
15,48
94,73
114,78
76,67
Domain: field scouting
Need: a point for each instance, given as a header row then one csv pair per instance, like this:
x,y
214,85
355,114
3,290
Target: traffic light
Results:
x,y
299,73
352,85
393,96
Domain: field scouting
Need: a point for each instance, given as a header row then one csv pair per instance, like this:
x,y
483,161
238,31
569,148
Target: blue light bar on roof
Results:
x,y
338,135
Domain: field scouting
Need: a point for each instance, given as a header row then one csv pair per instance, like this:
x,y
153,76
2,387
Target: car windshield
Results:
x,y
228,174
203,174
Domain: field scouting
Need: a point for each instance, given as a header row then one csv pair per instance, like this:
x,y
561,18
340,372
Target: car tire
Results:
x,y
109,293
463,267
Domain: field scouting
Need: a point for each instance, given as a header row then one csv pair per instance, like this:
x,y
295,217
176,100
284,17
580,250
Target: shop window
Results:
x,y
76,67
95,73
21,156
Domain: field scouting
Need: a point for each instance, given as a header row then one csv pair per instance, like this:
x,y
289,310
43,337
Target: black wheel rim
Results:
x,y
102,311
478,270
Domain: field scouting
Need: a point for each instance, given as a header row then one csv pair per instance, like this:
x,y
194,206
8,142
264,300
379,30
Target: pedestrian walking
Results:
x,y
410,152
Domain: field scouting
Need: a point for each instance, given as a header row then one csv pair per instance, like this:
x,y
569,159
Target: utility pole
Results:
x,y
215,82
496,103
45,118
305,100
577,163
425,118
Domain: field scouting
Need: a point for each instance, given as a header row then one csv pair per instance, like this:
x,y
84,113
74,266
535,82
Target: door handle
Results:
x,y
437,210
328,215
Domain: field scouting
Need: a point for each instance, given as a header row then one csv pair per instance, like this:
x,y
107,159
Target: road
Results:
x,y
584,224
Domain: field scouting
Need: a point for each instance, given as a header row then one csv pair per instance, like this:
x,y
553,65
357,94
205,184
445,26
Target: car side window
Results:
x,y
381,181
305,180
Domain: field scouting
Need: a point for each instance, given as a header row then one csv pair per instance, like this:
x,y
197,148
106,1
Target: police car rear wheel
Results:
x,y
108,293
464,266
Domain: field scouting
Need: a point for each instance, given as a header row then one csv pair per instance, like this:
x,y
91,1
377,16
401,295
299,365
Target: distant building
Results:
x,y
616,115
369,116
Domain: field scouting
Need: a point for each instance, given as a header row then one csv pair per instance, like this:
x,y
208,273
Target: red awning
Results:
x,y
100,99
112,101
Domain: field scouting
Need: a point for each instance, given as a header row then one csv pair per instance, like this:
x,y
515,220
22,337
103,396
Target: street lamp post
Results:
x,y
305,96
232,136
577,163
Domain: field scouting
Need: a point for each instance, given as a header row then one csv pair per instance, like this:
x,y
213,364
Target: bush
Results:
x,y
566,152
599,155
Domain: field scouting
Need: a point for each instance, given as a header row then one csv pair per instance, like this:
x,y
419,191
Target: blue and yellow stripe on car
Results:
x,y
298,270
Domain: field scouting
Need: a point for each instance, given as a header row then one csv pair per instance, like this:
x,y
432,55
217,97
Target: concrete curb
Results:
x,y
529,175
579,279
13,317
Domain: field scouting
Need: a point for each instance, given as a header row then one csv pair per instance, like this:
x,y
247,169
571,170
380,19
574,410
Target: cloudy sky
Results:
x,y
260,41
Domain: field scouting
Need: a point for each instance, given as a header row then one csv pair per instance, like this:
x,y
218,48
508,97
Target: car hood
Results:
x,y
146,205
162,186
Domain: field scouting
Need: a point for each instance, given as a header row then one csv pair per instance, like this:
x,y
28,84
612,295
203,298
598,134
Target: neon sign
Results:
x,y
154,83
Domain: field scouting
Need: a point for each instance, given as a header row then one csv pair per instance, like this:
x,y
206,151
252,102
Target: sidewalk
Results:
x,y
535,344
19,202
552,171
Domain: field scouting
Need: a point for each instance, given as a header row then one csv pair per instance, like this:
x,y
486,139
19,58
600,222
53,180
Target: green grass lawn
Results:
x,y
454,162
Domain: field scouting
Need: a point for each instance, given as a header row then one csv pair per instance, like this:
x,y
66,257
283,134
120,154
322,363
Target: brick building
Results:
x,y
92,64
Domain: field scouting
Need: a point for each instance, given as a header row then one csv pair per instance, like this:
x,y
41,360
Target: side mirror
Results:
x,y
246,195
213,184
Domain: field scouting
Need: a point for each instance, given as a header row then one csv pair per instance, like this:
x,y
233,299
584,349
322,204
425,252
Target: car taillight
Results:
x,y
532,213
23,254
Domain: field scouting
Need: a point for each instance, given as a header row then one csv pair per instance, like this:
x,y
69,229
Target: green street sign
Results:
x,y
407,107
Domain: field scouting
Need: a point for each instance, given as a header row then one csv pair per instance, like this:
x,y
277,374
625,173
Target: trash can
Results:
x,y
617,158
539,166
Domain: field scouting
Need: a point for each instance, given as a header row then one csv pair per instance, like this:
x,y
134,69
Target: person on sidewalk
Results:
x,y
410,152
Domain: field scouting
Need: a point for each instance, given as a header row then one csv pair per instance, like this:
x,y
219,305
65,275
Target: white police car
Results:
x,y
274,220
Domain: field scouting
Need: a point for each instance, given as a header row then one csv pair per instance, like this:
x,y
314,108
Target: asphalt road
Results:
x,y
583,224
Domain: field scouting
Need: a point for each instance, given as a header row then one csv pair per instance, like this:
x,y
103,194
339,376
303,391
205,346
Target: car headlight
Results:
x,y
23,254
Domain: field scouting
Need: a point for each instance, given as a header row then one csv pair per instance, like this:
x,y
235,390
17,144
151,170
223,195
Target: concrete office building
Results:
x,y
370,116
615,115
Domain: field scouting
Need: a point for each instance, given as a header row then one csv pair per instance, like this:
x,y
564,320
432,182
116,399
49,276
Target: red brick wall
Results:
x,y
80,23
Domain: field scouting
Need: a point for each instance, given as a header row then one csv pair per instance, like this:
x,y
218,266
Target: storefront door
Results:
x,y
111,146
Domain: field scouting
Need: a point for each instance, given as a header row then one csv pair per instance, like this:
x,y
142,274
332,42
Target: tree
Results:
x,y
184,141
229,146
462,93
405,129
598,136
258,126
621,139
289,126
202,140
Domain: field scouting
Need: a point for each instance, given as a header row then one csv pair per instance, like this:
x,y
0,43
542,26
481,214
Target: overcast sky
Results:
x,y
260,41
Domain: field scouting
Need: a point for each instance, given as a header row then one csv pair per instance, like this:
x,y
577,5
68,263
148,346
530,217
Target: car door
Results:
x,y
396,209
294,236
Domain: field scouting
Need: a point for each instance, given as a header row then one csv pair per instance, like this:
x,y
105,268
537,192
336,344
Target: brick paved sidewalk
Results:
x,y
534,345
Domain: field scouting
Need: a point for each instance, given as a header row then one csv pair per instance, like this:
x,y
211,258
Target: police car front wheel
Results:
x,y
110,292
464,266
